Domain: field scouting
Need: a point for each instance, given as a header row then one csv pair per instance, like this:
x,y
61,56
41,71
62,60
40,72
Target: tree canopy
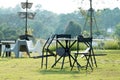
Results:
x,y
46,23
117,31
73,28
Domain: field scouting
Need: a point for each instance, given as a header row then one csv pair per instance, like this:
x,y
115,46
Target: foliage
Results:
x,y
117,31
111,45
46,23
64,19
102,45
7,32
73,28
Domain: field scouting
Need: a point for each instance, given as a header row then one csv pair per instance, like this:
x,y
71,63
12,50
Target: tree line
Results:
x,y
46,23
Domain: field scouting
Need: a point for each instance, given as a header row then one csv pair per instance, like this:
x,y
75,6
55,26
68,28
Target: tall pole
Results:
x,y
91,20
26,17
91,25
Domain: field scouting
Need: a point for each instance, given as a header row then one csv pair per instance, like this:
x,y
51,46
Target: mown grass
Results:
x,y
29,69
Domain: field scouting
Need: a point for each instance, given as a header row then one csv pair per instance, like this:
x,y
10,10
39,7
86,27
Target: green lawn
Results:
x,y
29,69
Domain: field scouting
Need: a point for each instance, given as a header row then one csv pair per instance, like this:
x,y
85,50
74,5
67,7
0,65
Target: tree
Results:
x,y
73,28
117,31
46,22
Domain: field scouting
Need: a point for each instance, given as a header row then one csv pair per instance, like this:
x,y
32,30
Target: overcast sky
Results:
x,y
64,6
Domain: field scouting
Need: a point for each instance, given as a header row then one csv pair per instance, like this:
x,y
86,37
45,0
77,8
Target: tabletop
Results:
x,y
7,42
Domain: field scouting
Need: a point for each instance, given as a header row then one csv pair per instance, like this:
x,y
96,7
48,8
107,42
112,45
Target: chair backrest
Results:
x,y
82,39
48,42
59,48
51,38
63,36
58,36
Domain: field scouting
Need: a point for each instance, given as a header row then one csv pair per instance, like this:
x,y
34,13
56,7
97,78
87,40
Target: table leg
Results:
x,y
8,53
75,61
56,61
0,49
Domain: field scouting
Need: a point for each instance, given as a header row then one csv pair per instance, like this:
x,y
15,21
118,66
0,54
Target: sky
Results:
x,y
64,6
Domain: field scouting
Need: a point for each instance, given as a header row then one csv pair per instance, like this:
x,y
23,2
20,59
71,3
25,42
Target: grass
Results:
x,y
29,69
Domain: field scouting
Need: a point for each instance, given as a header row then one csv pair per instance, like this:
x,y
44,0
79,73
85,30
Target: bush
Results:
x,y
82,46
111,45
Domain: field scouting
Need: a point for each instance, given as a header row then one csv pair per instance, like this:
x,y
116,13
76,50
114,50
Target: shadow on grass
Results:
x,y
64,71
58,71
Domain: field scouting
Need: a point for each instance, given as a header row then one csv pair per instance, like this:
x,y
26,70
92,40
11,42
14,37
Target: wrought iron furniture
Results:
x,y
46,52
7,44
88,53
63,46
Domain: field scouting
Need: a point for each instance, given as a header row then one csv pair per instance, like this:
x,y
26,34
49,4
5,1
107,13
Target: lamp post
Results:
x,y
26,15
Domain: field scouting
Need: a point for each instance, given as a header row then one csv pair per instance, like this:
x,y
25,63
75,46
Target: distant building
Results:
x,y
110,30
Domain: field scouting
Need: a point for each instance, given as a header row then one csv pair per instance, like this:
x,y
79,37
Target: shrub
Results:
x,y
111,45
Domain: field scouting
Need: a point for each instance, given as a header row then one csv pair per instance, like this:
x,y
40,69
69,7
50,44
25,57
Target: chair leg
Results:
x,y
88,62
94,58
76,55
70,61
63,62
4,52
90,57
56,61
42,60
46,59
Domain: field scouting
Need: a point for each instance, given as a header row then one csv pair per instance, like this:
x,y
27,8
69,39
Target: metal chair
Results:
x,y
46,52
88,53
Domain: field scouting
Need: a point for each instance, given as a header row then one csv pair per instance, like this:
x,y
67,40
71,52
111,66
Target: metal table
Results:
x,y
67,51
7,44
